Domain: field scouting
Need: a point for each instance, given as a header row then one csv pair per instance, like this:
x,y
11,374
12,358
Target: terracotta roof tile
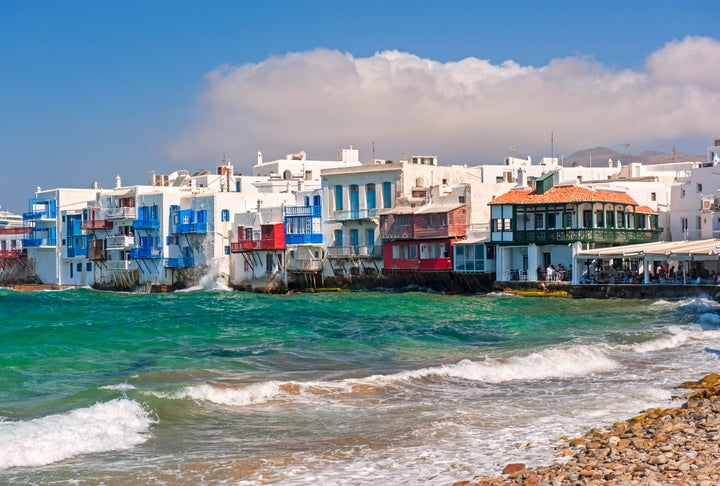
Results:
x,y
645,210
563,194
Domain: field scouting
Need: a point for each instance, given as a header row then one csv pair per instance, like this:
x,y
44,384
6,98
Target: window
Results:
x,y
684,224
88,267
387,195
610,219
682,192
568,220
79,267
435,220
338,198
599,223
620,219
653,196
551,221
539,220
370,195
225,215
403,220
338,237
699,187
503,224
587,219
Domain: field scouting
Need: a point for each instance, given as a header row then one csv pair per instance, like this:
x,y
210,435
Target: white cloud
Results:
x,y
465,111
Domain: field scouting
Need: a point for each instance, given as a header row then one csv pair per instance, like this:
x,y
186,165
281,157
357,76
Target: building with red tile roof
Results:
x,y
537,228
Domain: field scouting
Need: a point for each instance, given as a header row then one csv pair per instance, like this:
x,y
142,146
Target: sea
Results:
x,y
213,386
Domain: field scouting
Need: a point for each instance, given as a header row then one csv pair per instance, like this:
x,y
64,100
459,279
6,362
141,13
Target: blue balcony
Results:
x,y
304,239
37,242
190,228
40,209
145,252
77,252
32,215
307,211
146,224
181,262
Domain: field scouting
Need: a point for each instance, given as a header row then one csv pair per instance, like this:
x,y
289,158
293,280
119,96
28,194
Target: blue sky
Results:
x,y
91,89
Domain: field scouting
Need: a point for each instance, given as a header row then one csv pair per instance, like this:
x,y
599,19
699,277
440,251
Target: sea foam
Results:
x,y
550,363
114,425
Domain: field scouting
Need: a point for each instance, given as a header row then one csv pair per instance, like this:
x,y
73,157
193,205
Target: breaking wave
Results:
x,y
114,425
551,363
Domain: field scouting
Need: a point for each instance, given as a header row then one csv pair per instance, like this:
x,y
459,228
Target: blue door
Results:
x,y
355,236
354,201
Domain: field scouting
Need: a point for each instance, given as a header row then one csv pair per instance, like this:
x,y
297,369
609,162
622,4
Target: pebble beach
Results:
x,y
660,446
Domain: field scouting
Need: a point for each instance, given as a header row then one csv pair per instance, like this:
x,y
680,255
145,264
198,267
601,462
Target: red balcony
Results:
x,y
97,224
272,237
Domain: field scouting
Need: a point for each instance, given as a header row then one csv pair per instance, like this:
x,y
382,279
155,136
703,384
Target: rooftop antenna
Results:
x,y
552,145
373,148
627,146
674,152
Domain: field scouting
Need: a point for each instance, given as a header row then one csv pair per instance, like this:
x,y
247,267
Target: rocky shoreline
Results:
x,y
661,446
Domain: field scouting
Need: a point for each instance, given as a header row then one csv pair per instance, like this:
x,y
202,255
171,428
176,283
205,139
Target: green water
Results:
x,y
305,389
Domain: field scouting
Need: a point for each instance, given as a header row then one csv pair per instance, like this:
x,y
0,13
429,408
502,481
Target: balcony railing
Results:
x,y
304,265
180,262
38,214
12,254
309,211
589,235
15,231
355,214
147,224
119,242
249,245
97,224
74,252
396,231
145,252
39,242
190,228
96,253
121,265
120,213
355,251
304,239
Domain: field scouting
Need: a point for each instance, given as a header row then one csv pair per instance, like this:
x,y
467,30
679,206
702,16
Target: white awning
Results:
x,y
661,250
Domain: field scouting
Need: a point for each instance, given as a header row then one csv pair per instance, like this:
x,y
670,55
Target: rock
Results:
x,y
513,468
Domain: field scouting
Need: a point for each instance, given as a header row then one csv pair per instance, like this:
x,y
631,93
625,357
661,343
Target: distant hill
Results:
x,y
600,155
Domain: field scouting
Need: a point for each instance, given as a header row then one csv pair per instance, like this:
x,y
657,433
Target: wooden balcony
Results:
x,y
587,235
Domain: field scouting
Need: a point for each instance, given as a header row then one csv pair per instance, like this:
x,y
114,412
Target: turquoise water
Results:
x,y
220,387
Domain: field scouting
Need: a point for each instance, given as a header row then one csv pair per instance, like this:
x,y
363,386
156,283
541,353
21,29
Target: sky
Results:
x,y
93,89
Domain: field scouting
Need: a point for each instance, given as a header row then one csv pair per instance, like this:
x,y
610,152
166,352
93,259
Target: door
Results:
x,y
355,237
354,201
371,241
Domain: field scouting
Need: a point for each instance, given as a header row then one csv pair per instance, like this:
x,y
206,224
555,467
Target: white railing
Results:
x,y
305,265
121,265
120,213
119,242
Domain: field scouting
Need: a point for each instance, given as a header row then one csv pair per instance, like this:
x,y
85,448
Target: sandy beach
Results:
x,y
660,446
